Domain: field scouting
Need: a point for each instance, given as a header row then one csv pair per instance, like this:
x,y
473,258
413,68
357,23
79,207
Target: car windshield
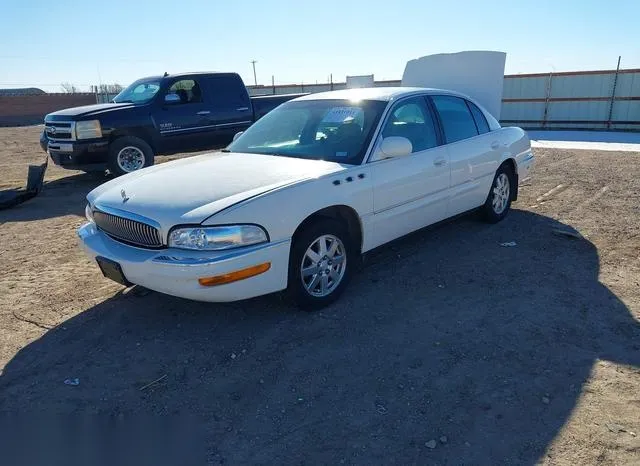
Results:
x,y
334,130
140,92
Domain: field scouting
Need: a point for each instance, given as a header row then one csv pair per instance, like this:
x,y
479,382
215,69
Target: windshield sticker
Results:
x,y
341,114
341,154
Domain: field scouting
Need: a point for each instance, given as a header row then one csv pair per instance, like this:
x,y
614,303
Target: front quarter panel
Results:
x,y
281,212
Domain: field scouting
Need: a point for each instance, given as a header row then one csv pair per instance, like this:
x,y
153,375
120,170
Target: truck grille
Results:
x,y
128,231
59,131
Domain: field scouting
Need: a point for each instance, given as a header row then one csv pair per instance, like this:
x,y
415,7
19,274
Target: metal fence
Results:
x,y
606,99
602,99
105,97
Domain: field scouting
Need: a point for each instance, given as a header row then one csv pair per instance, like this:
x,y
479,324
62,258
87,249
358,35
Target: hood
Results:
x,y
450,71
86,111
189,190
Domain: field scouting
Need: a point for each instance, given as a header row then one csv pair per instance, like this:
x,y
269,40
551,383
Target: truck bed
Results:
x,y
265,103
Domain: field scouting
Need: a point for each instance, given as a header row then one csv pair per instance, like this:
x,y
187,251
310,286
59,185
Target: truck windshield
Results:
x,y
140,92
335,130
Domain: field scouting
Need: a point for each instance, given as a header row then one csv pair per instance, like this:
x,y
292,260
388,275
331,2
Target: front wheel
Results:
x,y
128,154
498,202
320,264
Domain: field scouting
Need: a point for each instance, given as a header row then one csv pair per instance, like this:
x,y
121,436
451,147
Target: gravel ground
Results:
x,y
447,348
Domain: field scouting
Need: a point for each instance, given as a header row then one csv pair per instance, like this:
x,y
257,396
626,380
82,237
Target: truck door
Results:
x,y
231,109
183,118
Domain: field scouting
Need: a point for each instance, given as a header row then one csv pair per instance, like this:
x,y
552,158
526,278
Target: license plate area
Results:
x,y
60,147
112,271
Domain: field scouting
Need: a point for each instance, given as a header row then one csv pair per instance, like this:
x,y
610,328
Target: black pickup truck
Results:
x,y
154,115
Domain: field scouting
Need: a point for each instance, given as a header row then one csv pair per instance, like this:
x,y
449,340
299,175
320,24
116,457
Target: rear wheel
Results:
x,y
320,264
128,154
498,202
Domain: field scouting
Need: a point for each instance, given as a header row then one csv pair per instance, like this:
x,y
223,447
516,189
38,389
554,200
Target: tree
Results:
x,y
107,88
68,87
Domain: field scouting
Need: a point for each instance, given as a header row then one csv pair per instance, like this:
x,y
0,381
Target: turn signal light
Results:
x,y
235,276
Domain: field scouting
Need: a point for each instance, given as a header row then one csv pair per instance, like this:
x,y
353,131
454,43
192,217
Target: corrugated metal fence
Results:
x,y
604,99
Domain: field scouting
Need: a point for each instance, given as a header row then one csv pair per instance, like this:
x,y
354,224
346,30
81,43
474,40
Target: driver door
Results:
x,y
410,192
184,118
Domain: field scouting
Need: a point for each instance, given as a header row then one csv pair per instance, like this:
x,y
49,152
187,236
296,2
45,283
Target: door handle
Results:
x,y
495,145
439,162
203,112
242,109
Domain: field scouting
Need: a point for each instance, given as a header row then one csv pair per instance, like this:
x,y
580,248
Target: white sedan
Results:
x,y
293,202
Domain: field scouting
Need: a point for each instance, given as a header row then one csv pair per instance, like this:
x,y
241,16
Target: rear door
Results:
x,y
410,192
231,109
183,116
469,144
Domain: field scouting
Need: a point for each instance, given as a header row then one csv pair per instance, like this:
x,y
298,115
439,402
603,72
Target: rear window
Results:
x,y
227,92
478,116
457,121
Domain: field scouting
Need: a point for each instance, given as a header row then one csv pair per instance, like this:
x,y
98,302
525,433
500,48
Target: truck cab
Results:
x,y
155,115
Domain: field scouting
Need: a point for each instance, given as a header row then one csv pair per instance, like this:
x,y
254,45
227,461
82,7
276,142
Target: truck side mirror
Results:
x,y
171,99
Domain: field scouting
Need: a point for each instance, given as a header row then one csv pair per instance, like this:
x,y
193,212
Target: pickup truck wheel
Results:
x,y
128,154
499,199
320,264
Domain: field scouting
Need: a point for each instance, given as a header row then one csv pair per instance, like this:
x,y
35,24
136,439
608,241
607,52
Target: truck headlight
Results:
x,y
217,238
88,129
88,213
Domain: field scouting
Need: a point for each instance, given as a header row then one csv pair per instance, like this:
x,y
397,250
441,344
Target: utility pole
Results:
x,y
255,79
613,93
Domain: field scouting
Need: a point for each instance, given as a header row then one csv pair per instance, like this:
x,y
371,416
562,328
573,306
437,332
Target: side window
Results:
x,y
227,92
456,118
478,116
188,90
411,119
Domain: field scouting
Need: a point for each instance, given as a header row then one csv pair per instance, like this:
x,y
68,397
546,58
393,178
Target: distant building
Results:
x,y
22,91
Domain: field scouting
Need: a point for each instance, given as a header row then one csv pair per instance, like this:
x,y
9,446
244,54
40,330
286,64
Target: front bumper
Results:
x,y
78,155
176,271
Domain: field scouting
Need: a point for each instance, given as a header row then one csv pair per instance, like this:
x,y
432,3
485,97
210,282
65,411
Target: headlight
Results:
x,y
217,238
88,129
88,213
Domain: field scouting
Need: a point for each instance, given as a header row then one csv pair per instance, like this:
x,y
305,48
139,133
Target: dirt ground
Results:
x,y
447,348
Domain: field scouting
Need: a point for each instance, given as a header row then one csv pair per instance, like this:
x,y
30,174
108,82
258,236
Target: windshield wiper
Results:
x,y
225,150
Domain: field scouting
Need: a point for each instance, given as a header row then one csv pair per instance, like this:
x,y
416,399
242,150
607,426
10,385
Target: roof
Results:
x,y
384,94
22,91
188,73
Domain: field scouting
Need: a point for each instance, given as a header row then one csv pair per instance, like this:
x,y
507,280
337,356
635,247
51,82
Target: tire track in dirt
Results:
x,y
550,195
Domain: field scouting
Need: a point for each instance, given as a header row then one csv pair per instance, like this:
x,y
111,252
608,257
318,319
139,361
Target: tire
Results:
x,y
307,293
128,154
498,202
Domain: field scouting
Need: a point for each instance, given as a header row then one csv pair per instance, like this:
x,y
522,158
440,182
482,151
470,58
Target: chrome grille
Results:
x,y
62,131
127,230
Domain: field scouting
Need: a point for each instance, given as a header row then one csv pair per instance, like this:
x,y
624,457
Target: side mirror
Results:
x,y
172,99
237,135
395,146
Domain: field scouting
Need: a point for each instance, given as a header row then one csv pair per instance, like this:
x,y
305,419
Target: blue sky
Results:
x,y
43,43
